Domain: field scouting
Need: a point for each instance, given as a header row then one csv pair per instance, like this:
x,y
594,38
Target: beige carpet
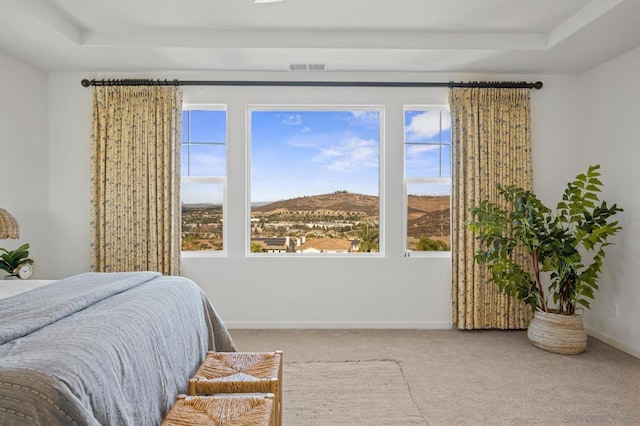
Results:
x,y
446,377
366,392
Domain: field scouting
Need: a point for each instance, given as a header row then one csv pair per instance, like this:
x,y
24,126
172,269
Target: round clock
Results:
x,y
24,271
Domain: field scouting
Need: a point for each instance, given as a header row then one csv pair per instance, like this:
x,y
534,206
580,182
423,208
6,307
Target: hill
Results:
x,y
337,202
426,214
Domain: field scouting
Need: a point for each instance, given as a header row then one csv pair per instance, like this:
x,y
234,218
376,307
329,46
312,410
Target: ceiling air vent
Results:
x,y
306,67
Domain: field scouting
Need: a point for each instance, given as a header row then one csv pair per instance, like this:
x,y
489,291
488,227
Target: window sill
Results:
x,y
428,254
196,254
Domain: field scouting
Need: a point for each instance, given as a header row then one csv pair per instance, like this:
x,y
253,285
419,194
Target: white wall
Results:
x,y
69,175
304,292
44,183
24,154
609,127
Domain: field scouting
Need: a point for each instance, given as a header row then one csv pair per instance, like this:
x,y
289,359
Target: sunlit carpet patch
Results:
x,y
366,392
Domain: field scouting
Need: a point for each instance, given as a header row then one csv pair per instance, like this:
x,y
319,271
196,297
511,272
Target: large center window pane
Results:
x,y
315,180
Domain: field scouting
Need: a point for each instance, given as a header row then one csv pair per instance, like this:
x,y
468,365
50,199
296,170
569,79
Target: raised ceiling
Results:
x,y
496,36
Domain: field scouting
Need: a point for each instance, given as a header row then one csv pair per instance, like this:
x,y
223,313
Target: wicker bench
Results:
x,y
240,372
220,410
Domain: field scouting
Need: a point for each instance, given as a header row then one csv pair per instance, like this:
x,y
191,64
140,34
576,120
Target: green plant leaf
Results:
x,y
567,244
11,259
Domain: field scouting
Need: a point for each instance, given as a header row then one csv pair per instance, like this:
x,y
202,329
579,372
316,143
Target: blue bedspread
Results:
x,y
103,348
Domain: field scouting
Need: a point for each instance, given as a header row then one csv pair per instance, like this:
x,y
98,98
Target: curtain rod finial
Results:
x,y
85,83
537,85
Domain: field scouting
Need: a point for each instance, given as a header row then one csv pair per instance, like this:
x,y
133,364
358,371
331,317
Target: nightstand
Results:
x,y
12,287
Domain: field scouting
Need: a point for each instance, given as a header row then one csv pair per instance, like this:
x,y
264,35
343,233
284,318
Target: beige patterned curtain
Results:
x,y
135,200
491,143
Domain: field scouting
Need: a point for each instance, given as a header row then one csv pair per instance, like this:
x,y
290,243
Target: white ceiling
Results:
x,y
498,36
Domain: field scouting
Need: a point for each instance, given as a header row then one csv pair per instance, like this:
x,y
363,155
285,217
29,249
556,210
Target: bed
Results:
x,y
103,348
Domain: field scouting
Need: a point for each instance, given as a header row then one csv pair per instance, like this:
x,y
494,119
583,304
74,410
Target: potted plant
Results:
x,y
526,247
11,260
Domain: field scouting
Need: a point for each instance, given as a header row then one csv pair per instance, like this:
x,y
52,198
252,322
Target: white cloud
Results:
x,y
330,152
292,120
306,129
349,155
366,116
419,149
426,125
425,158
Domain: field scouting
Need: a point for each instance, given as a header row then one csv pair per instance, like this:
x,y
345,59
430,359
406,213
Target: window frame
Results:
x,y
249,108
216,180
406,181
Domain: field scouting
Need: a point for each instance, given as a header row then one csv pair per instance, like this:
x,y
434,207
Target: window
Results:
x,y
427,178
314,180
203,164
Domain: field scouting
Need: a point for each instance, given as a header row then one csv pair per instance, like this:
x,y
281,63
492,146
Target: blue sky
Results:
x,y
427,149
297,153
207,131
310,152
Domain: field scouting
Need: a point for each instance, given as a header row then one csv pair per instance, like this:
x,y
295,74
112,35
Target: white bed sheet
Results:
x,y
10,288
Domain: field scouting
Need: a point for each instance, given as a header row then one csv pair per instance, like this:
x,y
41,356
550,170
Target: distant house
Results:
x,y
325,245
274,244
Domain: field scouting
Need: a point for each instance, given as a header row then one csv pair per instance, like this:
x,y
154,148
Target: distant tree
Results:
x,y
429,244
256,248
369,238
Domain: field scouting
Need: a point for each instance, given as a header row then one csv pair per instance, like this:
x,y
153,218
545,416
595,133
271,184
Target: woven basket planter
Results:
x,y
560,334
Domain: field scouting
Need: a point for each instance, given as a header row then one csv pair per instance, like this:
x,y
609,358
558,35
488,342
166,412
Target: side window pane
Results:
x,y
208,126
428,217
204,159
422,126
446,127
446,161
185,126
427,165
184,160
207,160
202,216
315,180
422,160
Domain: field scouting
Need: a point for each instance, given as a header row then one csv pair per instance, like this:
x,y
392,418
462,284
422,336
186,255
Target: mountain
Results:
x,y
343,201
201,206
339,201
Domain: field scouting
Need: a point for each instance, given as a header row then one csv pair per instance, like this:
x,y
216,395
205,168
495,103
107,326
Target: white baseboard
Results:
x,y
414,325
623,346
